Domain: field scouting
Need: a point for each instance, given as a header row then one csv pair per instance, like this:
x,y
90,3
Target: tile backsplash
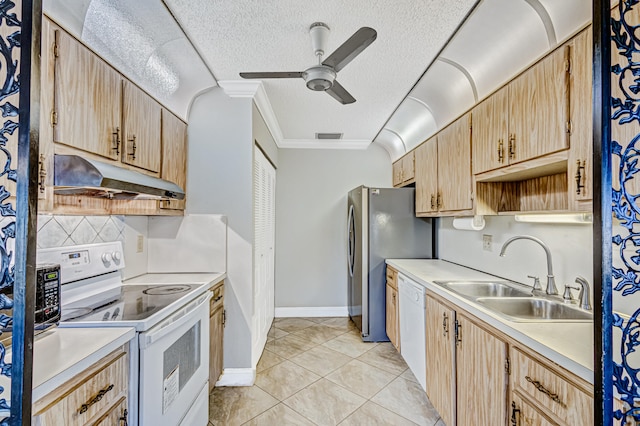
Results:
x,y
57,231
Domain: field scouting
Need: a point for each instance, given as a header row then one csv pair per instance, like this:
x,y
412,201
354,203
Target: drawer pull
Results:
x,y
554,396
84,407
217,298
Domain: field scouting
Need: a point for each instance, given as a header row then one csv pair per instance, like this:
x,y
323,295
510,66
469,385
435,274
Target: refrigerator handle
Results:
x,y
350,241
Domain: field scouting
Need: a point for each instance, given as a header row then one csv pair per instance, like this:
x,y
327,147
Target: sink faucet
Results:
x,y
551,281
583,296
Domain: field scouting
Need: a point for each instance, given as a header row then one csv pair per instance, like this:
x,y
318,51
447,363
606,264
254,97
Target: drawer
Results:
x,y
553,393
217,297
115,416
392,277
98,392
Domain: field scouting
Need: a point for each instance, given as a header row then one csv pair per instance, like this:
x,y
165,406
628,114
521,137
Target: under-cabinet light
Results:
x,y
555,218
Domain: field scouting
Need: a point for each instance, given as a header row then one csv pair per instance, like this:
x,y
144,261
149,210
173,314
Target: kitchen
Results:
x,y
312,183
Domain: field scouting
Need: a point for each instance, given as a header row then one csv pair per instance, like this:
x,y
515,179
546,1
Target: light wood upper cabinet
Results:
x,y
443,171
539,108
440,380
491,132
480,364
174,156
580,165
427,176
404,170
87,99
141,126
454,166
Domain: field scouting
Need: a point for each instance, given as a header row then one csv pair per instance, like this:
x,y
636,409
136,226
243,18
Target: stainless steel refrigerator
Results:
x,y
381,225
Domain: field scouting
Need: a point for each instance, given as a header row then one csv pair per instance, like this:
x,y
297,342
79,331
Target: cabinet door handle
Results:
x,y
512,146
42,174
579,171
122,421
433,202
445,324
500,151
84,407
515,414
554,396
439,201
134,147
116,141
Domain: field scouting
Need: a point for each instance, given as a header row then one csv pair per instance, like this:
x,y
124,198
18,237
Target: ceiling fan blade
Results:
x,y
340,94
351,48
285,74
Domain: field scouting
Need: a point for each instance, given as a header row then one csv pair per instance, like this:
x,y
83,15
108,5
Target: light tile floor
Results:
x,y
317,371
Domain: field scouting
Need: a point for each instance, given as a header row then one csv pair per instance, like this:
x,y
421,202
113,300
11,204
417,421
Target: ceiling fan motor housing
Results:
x,y
319,32
319,78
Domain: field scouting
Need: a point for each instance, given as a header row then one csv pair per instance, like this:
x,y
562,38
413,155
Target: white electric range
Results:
x,y
169,359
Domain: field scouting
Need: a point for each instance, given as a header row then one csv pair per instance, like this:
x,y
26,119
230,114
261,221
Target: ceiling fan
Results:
x,y
322,77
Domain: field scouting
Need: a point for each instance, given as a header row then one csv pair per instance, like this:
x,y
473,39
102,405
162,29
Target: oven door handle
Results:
x,y
183,316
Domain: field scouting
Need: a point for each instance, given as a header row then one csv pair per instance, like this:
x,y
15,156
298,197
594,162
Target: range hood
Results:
x,y
76,175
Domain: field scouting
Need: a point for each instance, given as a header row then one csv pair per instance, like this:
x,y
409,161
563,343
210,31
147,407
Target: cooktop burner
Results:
x,y
134,303
163,290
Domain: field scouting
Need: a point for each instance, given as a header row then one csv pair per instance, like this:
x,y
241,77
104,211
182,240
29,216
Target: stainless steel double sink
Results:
x,y
515,302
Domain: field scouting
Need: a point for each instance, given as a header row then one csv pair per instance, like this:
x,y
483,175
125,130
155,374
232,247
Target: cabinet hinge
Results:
x,y
56,50
42,174
224,318
567,65
507,366
458,332
54,117
569,126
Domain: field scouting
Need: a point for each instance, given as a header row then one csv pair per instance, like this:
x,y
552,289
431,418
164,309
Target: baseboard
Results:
x,y
237,377
328,311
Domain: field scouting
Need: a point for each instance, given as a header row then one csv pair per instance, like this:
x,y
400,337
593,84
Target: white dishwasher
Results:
x,y
412,327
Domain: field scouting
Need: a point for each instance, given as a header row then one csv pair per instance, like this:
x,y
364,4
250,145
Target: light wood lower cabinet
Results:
x,y
553,393
440,380
392,312
525,414
216,339
96,397
393,325
464,360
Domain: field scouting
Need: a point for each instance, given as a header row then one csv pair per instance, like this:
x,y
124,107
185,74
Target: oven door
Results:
x,y
174,364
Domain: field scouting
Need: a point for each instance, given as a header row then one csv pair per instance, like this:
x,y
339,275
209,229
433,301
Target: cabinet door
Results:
x,y
539,109
427,176
580,166
117,415
392,317
521,413
87,99
216,327
141,129
408,167
480,364
440,359
397,173
174,156
490,132
454,171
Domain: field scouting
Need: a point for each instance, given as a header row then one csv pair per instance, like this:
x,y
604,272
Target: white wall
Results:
x,y
311,210
570,245
219,181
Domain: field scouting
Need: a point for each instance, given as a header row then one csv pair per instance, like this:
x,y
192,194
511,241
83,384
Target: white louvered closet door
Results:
x,y
264,178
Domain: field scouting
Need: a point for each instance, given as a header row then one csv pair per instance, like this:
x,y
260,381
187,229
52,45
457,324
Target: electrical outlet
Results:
x,y
486,242
140,246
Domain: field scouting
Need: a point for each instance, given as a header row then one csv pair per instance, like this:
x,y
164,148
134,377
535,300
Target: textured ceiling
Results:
x,y
251,35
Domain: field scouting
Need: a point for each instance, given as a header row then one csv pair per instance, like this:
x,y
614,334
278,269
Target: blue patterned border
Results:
x,y
625,206
9,52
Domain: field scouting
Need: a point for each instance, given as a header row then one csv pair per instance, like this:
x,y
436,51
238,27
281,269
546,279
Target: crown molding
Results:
x,y
325,143
255,89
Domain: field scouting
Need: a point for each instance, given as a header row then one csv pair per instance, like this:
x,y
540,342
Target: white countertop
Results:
x,y
569,345
62,353
209,279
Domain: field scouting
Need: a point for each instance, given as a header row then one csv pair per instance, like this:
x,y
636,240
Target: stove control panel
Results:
x,y
84,261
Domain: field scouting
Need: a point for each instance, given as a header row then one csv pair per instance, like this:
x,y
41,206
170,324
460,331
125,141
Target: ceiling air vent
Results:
x,y
329,136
